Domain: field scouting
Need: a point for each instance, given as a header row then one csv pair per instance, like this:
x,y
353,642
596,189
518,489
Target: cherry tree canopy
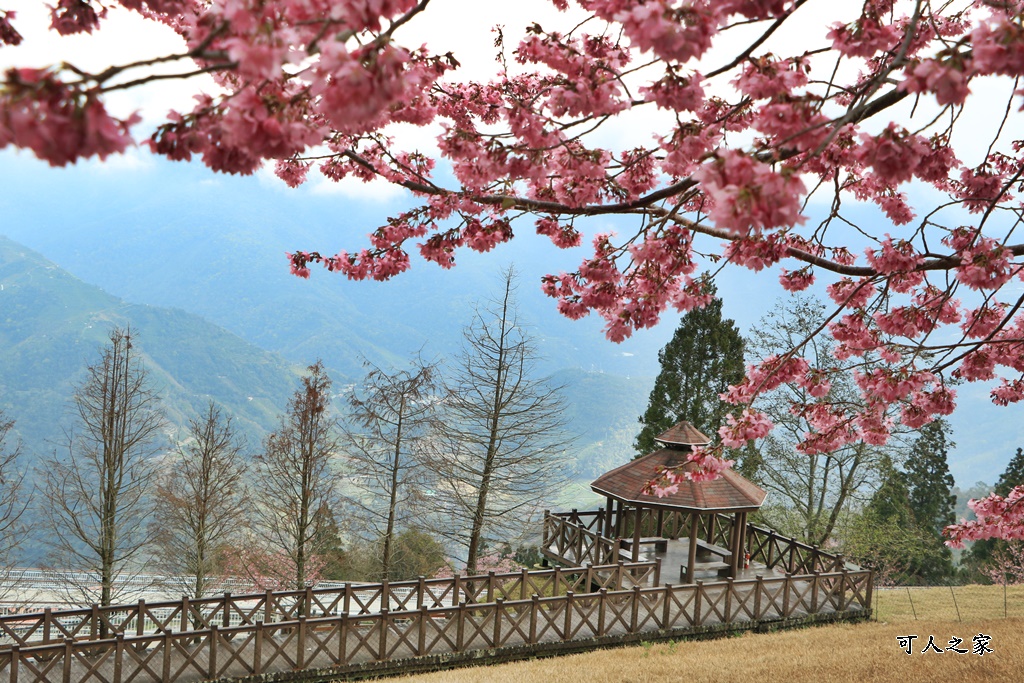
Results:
x,y
773,125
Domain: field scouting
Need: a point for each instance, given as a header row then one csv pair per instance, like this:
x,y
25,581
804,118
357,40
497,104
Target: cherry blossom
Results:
x,y
833,156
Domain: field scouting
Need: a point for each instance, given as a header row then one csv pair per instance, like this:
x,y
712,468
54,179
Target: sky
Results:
x,y
464,26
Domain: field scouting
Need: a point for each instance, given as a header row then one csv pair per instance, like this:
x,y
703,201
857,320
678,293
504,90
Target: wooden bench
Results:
x,y
660,544
705,550
710,557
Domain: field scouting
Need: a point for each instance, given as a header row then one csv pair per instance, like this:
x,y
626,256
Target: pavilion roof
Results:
x,y
682,434
729,492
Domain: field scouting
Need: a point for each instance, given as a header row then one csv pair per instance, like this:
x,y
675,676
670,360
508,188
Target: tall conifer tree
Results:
x,y
704,356
930,485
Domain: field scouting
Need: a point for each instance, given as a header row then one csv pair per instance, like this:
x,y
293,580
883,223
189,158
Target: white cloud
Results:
x,y
375,192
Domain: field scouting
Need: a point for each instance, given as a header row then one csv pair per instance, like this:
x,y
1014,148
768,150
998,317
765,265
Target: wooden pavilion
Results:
x,y
639,519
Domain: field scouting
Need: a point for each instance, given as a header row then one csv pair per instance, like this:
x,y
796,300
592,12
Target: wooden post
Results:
x,y
421,641
602,597
268,614
94,626
534,609
522,583
771,548
729,588
814,593
636,533
691,555
226,617
634,613
300,654
460,628
785,595
844,582
165,675
499,608
68,642
257,649
382,644
213,652
599,529
871,585
697,620
140,618
567,626
185,609
734,546
590,577
490,586
47,619
556,582
385,594
666,607
661,522
307,601
711,528
118,658
657,572
343,640
15,659
421,591
758,589
619,571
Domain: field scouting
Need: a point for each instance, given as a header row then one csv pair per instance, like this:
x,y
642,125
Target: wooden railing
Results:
x,y
350,599
576,538
502,627
775,551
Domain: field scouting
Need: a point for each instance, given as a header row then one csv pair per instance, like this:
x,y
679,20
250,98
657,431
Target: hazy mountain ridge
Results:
x,y
52,326
216,247
176,235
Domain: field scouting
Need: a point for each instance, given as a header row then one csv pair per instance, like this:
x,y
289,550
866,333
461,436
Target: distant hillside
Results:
x,y
603,408
175,235
52,326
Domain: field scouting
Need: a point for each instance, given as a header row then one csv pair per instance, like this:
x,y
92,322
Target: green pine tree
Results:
x,y
703,358
884,535
977,559
1012,476
929,483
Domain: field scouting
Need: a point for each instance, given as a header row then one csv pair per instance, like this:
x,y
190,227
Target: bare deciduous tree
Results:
x,y
200,501
809,491
390,417
13,503
96,494
501,451
296,487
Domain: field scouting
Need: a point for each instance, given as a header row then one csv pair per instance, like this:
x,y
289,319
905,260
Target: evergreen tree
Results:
x,y
704,357
978,559
1012,476
930,483
885,536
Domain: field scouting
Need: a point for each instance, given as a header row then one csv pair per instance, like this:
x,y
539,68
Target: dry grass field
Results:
x,y
843,652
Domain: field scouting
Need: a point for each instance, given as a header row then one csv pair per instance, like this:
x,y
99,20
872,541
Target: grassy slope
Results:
x,y
845,652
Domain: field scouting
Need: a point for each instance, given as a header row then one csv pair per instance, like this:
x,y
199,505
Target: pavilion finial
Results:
x,y
682,434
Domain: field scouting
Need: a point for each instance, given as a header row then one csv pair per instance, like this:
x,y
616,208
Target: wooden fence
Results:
x,y
577,538
352,599
552,613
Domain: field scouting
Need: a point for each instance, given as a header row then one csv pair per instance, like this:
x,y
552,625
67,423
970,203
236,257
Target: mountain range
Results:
x,y
210,249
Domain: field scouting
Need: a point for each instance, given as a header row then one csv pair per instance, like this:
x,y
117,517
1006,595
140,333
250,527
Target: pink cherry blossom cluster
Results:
x,y
707,464
995,517
743,143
